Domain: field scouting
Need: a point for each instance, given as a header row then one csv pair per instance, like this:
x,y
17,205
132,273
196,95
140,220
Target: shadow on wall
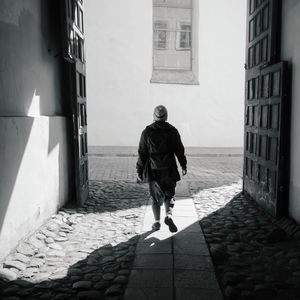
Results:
x,y
14,83
30,76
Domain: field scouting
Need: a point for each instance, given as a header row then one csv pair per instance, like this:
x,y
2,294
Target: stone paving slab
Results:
x,y
196,279
150,247
150,278
153,261
193,227
190,247
184,262
186,235
192,262
142,293
198,294
182,189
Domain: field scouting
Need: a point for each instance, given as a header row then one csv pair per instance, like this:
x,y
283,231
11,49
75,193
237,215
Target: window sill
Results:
x,y
174,77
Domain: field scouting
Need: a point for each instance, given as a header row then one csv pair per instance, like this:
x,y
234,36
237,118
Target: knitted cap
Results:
x,y
160,113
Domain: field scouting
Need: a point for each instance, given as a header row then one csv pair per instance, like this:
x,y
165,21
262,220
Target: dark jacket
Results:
x,y
161,164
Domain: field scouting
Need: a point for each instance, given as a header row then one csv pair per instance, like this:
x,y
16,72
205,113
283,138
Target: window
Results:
x,y
160,35
71,46
76,15
174,50
184,37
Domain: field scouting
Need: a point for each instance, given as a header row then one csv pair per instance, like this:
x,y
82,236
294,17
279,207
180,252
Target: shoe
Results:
x,y
156,226
170,223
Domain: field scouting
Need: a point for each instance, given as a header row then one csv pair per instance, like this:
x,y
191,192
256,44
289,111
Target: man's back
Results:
x,y
159,143
159,138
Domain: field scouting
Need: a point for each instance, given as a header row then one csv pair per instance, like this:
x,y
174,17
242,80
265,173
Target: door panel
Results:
x,y
266,108
73,51
265,140
263,28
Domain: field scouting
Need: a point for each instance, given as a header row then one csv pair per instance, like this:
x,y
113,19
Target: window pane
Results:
x,y
184,36
186,27
185,40
81,20
71,41
160,35
160,25
76,14
172,41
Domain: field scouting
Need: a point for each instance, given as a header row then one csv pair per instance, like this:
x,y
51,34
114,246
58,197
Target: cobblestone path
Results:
x,y
80,254
255,256
87,253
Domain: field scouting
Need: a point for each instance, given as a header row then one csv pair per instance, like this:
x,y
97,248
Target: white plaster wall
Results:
x,y
34,176
34,153
119,65
291,53
30,64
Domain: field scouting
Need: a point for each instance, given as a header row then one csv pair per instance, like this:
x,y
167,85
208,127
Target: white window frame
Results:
x,y
167,34
179,76
178,36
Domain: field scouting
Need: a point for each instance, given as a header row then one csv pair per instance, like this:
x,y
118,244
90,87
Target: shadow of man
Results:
x,y
103,273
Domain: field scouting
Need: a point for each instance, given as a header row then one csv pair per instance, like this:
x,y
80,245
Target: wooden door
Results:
x,y
73,47
266,110
263,33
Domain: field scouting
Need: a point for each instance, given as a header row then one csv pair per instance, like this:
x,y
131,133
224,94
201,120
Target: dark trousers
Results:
x,y
167,191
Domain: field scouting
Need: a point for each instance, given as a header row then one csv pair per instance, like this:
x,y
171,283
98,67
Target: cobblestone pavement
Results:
x,y
255,256
87,253
81,253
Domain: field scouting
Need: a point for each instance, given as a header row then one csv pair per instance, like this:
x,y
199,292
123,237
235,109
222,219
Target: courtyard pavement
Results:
x,y
226,246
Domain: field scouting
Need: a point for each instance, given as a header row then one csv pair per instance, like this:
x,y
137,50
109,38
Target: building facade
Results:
x,y
187,55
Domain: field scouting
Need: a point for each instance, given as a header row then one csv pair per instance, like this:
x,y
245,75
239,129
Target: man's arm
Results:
x,y
142,155
179,151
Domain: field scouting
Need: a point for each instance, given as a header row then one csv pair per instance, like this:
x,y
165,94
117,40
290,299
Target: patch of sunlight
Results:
x,y
34,109
210,200
36,171
185,218
223,191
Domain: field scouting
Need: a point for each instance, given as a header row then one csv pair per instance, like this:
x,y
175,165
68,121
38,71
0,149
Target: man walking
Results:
x,y
159,144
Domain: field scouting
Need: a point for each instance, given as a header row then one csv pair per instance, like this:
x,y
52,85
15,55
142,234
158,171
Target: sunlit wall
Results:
x,y
119,68
34,147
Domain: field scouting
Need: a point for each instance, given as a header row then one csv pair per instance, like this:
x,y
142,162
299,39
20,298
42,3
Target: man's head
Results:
x,y
160,113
